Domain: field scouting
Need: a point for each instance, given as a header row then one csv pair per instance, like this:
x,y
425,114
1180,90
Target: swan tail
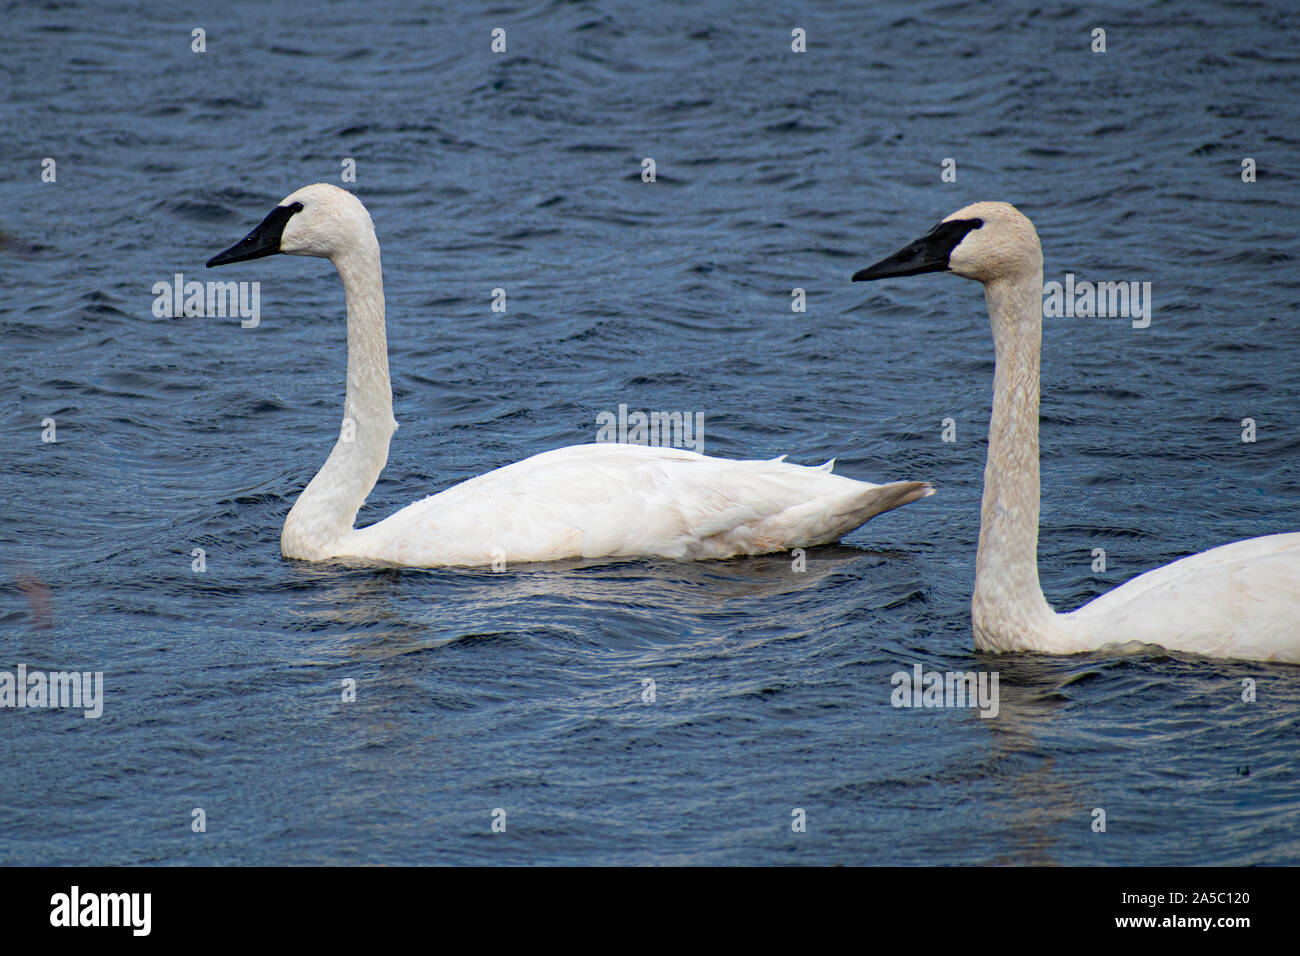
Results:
x,y
884,498
851,511
823,519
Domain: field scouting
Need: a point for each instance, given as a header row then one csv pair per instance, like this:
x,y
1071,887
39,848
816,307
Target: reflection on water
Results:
x,y
681,590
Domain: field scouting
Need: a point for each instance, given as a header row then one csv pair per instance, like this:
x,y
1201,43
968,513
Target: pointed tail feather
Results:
x,y
822,521
861,507
898,493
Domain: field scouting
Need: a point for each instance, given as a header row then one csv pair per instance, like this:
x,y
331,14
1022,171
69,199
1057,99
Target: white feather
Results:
x,y
624,500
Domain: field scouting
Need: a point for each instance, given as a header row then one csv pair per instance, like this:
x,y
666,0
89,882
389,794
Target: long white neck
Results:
x,y
323,516
1008,611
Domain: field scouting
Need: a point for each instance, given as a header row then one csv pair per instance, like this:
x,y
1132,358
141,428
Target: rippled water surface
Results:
x,y
523,690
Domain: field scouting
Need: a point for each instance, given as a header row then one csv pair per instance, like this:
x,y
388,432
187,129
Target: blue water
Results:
x,y
523,690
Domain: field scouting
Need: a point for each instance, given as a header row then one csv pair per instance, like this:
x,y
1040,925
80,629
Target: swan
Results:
x,y
584,501
1241,600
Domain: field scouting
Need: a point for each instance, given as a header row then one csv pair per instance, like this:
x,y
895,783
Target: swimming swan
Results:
x,y
1241,600
584,501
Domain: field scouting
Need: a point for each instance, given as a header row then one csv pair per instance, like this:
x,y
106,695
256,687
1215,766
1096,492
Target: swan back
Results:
x,y
1238,600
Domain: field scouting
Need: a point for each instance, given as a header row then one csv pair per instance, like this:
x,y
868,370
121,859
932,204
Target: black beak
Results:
x,y
928,254
262,241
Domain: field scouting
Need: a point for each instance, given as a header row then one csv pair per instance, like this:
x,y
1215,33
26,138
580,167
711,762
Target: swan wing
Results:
x,y
1240,600
622,500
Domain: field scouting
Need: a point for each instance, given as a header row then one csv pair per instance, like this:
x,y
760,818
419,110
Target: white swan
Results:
x,y
1240,600
585,501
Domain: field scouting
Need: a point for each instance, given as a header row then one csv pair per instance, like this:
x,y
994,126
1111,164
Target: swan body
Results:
x,y
1241,600
585,501
625,500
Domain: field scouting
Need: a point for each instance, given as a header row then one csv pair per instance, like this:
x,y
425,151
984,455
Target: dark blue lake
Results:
x,y
522,170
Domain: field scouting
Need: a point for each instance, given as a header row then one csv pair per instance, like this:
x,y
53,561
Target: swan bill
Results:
x,y
262,241
928,254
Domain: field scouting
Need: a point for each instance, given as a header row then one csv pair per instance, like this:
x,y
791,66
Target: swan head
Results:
x,y
985,241
318,220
